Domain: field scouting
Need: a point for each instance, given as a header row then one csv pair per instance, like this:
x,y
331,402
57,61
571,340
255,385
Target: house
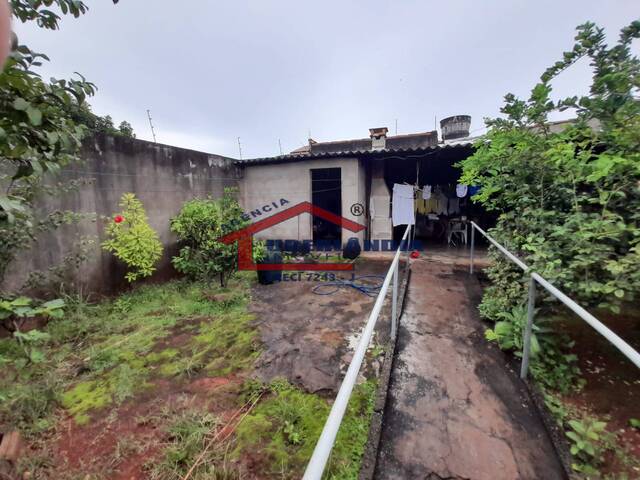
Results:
x,y
355,178
244,237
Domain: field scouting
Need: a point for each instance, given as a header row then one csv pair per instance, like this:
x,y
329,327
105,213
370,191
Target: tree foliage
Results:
x,y
199,225
41,129
41,11
132,240
36,132
37,135
83,115
569,200
126,130
47,15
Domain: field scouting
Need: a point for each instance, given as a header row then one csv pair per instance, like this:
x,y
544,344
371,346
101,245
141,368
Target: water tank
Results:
x,y
455,127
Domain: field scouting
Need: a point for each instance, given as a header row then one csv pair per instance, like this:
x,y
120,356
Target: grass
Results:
x,y
285,427
100,355
277,437
186,434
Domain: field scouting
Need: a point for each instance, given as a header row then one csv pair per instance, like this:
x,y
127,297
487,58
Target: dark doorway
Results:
x,y
326,193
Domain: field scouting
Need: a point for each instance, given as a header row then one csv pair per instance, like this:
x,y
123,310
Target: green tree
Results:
x,y
83,115
105,124
126,130
568,201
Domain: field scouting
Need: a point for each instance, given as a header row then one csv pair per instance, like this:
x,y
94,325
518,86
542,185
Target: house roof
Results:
x,y
411,144
413,140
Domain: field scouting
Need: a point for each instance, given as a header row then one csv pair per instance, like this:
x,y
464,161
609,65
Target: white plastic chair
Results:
x,y
457,229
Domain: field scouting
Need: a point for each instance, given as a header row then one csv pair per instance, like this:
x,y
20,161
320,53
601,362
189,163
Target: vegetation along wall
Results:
x,y
161,176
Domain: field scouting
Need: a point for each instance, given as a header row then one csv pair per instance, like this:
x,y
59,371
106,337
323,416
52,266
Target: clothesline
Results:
x,y
417,188
434,200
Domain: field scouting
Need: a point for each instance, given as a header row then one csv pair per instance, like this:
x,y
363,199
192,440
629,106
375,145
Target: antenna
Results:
x,y
240,148
153,132
396,126
280,146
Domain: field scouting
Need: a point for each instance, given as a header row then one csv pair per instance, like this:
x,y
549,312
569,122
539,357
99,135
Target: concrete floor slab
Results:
x,y
456,410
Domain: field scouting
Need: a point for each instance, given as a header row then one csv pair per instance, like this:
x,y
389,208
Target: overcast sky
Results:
x,y
212,71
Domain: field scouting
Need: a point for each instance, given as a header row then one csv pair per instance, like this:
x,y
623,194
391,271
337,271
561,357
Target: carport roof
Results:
x,y
461,143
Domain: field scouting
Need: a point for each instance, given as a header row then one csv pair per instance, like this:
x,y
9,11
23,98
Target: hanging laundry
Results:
x,y
426,192
461,190
442,202
402,208
454,206
473,189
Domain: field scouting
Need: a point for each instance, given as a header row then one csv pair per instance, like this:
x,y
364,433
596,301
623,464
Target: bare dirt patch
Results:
x,y
612,391
120,443
309,338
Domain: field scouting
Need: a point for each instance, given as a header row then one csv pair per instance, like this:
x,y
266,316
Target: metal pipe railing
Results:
x,y
506,252
534,278
321,453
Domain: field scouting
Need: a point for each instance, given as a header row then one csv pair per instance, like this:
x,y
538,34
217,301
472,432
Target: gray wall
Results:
x,y
163,177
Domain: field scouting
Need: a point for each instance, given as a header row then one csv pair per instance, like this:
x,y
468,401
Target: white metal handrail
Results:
x,y
321,453
600,327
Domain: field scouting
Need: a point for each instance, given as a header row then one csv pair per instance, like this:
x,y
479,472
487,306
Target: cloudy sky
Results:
x,y
212,71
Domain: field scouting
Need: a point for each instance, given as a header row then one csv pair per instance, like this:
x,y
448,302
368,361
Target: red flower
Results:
x,y
415,254
118,218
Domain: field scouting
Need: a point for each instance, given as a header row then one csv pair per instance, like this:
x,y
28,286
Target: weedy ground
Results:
x,y
146,384
602,415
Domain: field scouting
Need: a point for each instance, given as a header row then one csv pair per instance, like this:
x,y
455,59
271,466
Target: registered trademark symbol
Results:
x,y
357,209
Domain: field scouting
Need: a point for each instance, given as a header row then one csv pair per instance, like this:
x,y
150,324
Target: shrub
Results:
x,y
586,436
550,365
132,240
199,225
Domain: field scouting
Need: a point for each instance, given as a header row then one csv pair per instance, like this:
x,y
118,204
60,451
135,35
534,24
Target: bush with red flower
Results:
x,y
132,240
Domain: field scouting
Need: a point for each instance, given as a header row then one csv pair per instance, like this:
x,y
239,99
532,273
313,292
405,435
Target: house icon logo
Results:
x,y
244,237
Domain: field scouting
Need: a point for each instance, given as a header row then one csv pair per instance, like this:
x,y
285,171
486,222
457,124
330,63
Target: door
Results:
x,y
326,193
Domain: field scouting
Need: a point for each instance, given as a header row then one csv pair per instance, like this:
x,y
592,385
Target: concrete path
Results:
x,y
455,409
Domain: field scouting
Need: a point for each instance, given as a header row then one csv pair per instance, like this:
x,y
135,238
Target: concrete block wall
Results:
x,y
163,177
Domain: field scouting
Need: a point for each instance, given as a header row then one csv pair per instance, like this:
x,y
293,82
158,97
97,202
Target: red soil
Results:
x,y
612,390
94,447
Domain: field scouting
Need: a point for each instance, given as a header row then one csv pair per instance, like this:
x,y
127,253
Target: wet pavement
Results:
x,y
309,339
455,409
